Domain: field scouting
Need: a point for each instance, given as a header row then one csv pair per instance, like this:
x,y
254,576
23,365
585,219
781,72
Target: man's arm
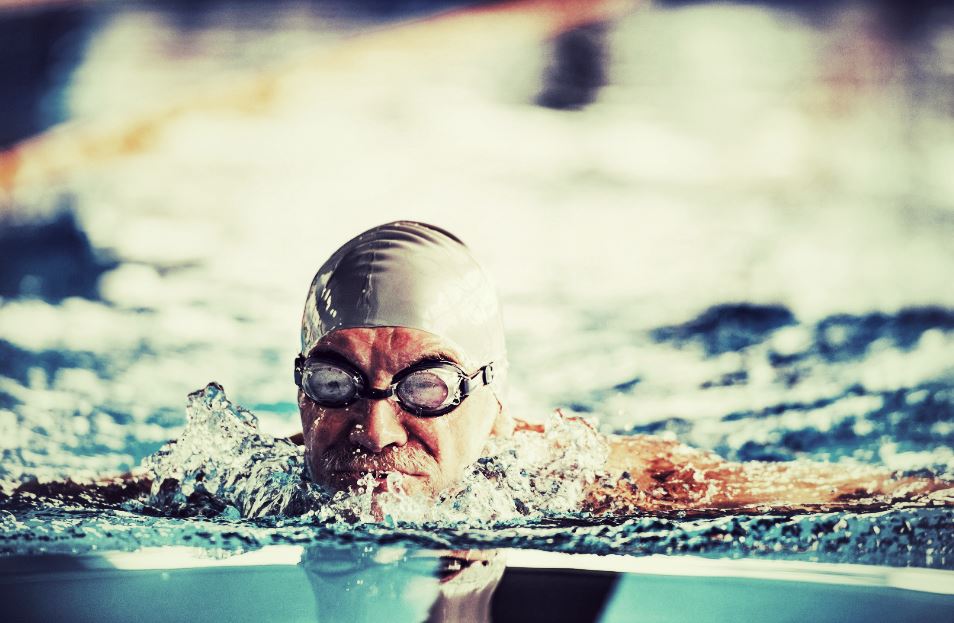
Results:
x,y
104,492
648,473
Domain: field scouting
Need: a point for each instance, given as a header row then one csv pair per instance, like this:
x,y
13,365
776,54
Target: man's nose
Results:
x,y
380,428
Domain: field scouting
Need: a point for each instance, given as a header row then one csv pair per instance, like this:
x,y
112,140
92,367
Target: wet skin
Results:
x,y
377,436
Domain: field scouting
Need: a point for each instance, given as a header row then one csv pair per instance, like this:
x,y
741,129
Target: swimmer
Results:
x,y
403,368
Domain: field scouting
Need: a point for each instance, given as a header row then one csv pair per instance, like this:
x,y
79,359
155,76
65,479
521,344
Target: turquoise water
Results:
x,y
329,584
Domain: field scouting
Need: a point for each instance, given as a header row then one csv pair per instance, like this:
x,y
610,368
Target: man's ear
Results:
x,y
503,423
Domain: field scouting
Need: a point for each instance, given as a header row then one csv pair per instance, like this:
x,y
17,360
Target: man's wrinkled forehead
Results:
x,y
391,347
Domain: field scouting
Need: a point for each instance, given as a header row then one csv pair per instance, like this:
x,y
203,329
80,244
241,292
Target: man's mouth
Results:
x,y
342,468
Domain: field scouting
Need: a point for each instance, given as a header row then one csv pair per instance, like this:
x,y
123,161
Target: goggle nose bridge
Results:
x,y
373,393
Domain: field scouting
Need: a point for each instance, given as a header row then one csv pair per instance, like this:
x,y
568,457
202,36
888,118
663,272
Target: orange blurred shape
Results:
x,y
71,146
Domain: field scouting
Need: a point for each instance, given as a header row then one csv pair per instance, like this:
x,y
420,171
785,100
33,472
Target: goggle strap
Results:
x,y
486,377
299,361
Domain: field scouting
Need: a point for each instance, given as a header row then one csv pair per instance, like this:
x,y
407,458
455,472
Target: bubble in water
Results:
x,y
223,458
222,461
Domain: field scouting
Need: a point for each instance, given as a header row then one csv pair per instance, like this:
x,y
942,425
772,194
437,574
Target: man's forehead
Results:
x,y
396,345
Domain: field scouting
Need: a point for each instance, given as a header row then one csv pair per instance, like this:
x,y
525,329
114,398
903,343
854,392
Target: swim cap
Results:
x,y
413,275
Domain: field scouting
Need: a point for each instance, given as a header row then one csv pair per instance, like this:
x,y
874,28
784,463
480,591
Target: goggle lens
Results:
x,y
330,385
429,390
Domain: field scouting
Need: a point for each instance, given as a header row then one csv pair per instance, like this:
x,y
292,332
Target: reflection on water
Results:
x,y
322,582
394,584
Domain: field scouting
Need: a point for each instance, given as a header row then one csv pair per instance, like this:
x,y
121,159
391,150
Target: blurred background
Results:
x,y
733,222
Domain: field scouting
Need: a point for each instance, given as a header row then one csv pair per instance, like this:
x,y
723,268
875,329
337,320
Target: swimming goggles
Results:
x,y
426,389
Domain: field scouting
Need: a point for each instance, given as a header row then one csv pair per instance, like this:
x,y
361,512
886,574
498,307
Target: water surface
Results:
x,y
738,235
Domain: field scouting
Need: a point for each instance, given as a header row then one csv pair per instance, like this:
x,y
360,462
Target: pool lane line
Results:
x,y
74,145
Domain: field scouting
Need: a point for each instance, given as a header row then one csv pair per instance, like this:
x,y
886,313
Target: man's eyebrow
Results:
x,y
325,352
432,356
429,356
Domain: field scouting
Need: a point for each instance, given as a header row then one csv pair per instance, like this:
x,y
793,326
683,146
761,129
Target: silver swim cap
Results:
x,y
413,275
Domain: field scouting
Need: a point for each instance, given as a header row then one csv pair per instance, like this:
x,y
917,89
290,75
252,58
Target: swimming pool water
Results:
x,y
744,241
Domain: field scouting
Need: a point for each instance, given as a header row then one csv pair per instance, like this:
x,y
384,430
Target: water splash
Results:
x,y
223,463
223,459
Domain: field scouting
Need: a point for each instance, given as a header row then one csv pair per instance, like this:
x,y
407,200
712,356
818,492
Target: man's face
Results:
x,y
378,436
